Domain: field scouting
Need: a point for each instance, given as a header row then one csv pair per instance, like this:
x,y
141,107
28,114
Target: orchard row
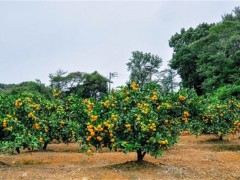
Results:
x,y
136,119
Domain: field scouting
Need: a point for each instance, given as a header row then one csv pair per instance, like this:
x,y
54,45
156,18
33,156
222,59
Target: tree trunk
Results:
x,y
140,155
18,150
221,138
45,145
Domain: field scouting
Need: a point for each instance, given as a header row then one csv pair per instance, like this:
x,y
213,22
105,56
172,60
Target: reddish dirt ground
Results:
x,y
201,158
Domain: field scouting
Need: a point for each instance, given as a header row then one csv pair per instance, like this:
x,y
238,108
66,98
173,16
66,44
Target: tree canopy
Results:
x,y
136,66
84,85
208,57
166,79
27,86
94,85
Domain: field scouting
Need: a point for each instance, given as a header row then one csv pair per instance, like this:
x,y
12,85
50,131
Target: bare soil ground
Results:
x,y
201,158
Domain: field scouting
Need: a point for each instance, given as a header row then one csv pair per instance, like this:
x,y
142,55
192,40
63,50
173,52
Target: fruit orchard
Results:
x,y
130,119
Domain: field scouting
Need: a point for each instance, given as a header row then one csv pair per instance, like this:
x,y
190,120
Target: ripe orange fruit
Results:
x,y
182,98
40,140
88,138
4,124
90,130
89,151
99,138
92,133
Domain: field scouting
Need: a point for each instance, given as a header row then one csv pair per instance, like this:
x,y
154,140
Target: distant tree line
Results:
x,y
84,85
207,59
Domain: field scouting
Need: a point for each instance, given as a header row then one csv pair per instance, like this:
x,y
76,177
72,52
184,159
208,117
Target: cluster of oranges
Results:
x,y
18,103
145,108
182,98
139,105
91,131
94,118
128,126
35,106
138,117
186,115
126,99
134,86
152,127
32,116
154,97
114,117
107,104
27,99
164,142
9,116
56,93
36,126
4,123
90,105
96,134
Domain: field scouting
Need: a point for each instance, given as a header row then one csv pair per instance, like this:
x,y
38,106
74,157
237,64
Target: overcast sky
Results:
x,y
38,38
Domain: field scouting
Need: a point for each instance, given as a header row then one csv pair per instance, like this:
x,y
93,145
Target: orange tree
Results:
x,y
211,115
5,109
30,121
220,117
20,122
78,112
136,120
237,118
55,123
195,106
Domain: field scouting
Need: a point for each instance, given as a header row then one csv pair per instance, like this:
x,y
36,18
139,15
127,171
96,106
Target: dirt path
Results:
x,y
191,158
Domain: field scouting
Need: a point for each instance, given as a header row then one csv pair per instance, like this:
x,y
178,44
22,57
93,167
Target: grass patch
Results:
x,y
32,162
225,147
133,165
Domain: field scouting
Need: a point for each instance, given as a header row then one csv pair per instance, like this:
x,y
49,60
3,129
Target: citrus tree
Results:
x,y
136,120
236,118
218,117
29,120
55,123
20,122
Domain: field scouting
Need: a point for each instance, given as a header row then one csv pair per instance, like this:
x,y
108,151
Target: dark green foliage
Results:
x,y
208,57
166,79
137,68
28,86
94,85
231,17
66,82
82,84
184,58
228,91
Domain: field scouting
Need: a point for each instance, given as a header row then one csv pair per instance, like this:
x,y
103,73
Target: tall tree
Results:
x,y
136,66
232,17
94,85
219,56
66,82
208,57
184,58
166,79
82,84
